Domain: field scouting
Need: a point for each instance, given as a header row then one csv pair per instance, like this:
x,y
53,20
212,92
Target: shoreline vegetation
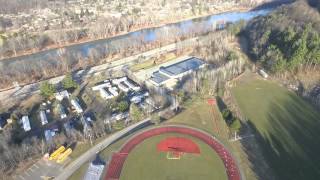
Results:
x,y
26,72
122,33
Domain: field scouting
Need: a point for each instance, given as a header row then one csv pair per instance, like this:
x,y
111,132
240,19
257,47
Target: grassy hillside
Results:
x,y
286,126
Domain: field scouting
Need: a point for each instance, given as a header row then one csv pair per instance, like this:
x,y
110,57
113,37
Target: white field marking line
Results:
x,y
247,136
31,169
41,163
241,137
27,173
35,165
47,163
21,177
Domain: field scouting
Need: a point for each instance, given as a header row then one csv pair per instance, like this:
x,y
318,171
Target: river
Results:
x,y
89,49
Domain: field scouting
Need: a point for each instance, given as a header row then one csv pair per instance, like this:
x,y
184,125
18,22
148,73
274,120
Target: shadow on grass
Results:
x,y
221,104
289,141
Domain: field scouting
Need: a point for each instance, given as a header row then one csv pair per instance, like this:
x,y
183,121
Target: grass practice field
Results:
x,y
145,162
287,127
199,114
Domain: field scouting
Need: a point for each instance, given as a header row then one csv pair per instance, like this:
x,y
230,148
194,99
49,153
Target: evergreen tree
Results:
x,y
47,90
235,125
123,106
135,113
68,82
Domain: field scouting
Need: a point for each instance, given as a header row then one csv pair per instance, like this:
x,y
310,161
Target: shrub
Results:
x,y
123,106
47,90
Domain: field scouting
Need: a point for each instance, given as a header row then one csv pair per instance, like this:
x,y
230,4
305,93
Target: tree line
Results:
x,y
67,60
286,40
16,6
83,28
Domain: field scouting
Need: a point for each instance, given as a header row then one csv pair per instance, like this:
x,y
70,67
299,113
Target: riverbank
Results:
x,y
92,40
53,63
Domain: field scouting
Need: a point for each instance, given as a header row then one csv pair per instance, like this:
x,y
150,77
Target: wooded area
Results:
x,y
15,6
287,39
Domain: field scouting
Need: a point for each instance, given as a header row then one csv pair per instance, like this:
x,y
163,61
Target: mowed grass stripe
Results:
x,y
287,128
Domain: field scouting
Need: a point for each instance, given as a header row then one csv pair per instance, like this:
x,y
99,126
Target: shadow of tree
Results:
x,y
314,3
221,104
289,139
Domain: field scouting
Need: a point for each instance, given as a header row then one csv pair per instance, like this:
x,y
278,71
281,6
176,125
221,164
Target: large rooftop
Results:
x,y
192,63
158,77
174,70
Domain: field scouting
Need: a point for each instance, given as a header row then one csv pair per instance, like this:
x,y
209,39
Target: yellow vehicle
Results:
x,y
64,155
56,153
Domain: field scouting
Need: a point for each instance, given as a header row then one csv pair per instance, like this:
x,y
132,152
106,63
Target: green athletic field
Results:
x,y
145,162
287,128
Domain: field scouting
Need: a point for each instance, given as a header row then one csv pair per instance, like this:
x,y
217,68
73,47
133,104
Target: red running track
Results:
x,y
118,159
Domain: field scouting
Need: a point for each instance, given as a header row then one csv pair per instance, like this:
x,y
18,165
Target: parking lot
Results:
x,y
41,170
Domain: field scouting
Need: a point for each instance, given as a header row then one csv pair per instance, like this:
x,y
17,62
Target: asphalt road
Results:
x,y
74,165
26,90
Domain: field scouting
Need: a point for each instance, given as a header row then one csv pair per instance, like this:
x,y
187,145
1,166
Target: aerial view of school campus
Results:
x,y
159,89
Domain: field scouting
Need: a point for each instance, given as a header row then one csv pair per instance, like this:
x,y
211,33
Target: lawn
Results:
x,y
197,113
286,127
145,162
81,148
